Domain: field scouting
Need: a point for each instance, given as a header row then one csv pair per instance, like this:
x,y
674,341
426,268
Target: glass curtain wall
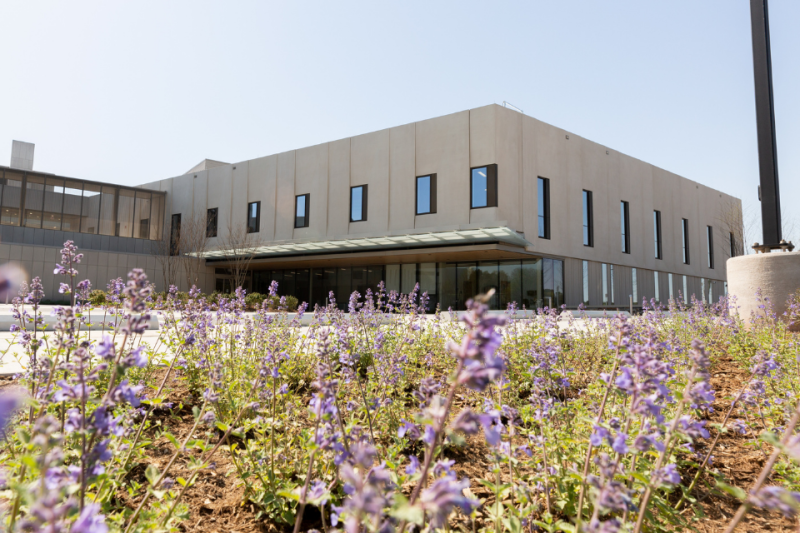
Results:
x,y
125,202
12,196
530,284
55,203
34,198
90,210
141,215
71,213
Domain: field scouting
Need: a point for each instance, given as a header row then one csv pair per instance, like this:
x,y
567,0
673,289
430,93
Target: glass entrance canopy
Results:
x,y
413,240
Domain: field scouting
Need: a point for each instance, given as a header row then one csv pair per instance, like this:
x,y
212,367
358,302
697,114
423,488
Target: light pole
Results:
x,y
769,192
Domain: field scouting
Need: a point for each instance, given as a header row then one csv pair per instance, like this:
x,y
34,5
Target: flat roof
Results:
x,y
58,176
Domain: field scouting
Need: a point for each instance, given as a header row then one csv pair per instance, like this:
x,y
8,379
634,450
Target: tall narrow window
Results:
x,y
211,222
483,187
635,286
588,223
685,236
655,281
611,281
426,194
175,235
671,291
625,224
657,232
358,203
710,244
544,207
733,245
301,205
604,270
685,289
253,217
586,282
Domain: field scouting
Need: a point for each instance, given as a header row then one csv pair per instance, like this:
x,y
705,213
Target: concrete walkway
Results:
x,y
13,358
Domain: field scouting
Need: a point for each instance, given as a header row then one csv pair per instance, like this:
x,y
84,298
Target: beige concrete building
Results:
x,y
484,198
464,233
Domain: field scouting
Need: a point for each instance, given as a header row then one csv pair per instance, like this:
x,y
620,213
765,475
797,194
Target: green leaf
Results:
x,y
488,484
290,494
736,492
565,526
512,524
404,511
152,474
770,438
172,439
222,427
181,481
543,525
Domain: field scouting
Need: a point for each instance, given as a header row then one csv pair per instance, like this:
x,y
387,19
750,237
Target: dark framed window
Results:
x,y
657,233
253,217
358,203
301,205
588,219
483,187
733,245
625,225
175,235
543,207
710,244
211,222
585,278
685,240
426,194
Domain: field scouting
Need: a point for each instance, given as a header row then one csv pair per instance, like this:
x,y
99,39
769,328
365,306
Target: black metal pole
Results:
x,y
765,124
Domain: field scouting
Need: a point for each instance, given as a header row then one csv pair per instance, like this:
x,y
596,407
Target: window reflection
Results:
x,y
479,187
55,203
34,196
90,210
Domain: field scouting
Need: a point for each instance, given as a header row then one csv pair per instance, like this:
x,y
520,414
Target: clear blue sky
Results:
x,y
130,92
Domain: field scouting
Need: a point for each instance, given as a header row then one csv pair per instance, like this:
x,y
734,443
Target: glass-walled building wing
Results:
x,y
40,201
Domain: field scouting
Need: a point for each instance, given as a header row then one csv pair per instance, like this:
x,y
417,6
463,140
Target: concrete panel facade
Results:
x,y
524,149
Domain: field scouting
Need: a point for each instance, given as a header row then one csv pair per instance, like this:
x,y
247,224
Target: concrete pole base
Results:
x,y
776,274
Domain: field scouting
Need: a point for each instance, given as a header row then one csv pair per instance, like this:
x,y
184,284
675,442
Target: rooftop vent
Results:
x,y
22,155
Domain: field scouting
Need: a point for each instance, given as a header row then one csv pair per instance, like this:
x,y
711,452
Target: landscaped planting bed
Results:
x,y
390,415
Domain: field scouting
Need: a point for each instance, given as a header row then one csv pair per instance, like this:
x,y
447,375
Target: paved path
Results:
x,y
13,358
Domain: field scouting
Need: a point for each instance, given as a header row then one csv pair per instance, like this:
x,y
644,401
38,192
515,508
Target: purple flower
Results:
x,y
614,496
90,520
624,381
611,525
619,444
701,396
667,476
124,392
409,429
443,496
137,357
775,498
429,434
9,403
413,465
739,426
105,348
600,433
693,428
467,422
